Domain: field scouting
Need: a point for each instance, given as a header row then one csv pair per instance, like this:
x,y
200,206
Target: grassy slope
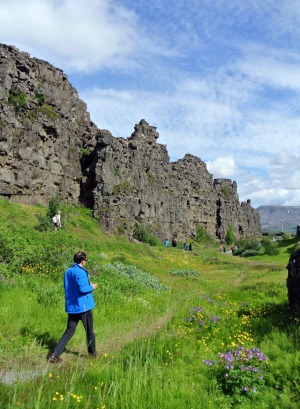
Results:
x,y
29,329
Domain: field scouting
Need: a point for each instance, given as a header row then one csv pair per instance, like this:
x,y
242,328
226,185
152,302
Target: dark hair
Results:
x,y
78,257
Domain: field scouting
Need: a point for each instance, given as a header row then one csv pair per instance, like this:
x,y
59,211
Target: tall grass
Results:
x,y
166,322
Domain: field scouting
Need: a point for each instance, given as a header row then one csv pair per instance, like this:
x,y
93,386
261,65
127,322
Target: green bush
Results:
x,y
49,111
270,248
133,278
249,253
246,244
201,234
229,239
54,205
40,97
144,234
17,100
45,222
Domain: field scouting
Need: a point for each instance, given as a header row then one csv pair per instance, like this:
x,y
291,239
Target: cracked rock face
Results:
x,y
130,180
43,127
49,145
293,280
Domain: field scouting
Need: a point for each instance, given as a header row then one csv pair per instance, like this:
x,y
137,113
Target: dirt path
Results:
x,y
118,342
110,346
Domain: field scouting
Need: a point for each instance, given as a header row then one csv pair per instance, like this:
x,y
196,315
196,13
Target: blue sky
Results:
x,y
219,79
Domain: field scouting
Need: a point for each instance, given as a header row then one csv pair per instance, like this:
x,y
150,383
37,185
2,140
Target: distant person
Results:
x,y
56,220
190,247
174,242
221,248
224,249
185,247
167,244
79,302
232,249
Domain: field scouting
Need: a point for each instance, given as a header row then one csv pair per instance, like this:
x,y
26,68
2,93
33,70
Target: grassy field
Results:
x,y
174,329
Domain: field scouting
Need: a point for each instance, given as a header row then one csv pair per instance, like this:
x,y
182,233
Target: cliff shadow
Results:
x,y
88,180
270,316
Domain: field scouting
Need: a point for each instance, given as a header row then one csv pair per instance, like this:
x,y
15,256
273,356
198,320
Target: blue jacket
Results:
x,y
78,290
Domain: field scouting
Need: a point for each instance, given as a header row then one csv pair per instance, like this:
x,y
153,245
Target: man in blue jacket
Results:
x,y
79,304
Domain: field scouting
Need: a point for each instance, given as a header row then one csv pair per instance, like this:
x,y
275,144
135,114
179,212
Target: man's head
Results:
x,y
79,257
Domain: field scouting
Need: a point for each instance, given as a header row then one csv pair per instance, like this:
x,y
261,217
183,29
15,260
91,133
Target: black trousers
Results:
x,y
73,319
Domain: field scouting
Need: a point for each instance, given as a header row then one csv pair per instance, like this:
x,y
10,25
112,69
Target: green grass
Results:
x,y
160,313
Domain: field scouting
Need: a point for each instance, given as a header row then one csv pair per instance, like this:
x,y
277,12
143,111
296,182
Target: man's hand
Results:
x,y
94,286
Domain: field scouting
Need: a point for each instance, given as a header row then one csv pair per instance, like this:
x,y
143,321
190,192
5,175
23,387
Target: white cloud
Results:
x,y
286,160
224,167
278,68
80,35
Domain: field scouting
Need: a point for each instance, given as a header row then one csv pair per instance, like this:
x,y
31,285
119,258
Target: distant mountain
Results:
x,y
279,218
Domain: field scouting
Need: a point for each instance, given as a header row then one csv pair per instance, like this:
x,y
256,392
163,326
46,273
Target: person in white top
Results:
x,y
56,220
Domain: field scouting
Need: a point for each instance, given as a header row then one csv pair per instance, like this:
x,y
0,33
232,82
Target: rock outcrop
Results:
x,y
43,129
48,145
293,280
130,180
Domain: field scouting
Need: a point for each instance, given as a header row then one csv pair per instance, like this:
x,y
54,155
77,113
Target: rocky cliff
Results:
x,y
130,180
48,145
43,128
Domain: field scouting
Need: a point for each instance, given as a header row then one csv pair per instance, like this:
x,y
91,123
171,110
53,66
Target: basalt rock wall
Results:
x,y
43,129
49,145
132,180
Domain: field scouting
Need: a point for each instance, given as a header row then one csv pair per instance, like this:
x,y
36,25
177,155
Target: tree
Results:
x,y
201,234
229,238
270,248
45,222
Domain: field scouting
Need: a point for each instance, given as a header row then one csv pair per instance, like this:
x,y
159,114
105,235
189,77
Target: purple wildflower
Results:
x,y
214,319
207,362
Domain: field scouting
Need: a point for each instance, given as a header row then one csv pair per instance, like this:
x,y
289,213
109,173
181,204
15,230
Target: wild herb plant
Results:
x,y
136,275
240,372
190,272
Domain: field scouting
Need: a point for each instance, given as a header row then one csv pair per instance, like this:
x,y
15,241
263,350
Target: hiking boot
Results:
x,y
55,359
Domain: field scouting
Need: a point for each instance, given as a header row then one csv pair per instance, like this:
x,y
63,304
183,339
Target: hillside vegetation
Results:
x,y
175,329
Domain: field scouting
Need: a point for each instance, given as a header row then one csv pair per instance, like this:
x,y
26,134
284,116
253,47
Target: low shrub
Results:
x,y
249,253
132,278
240,372
184,273
246,244
270,247
17,100
144,234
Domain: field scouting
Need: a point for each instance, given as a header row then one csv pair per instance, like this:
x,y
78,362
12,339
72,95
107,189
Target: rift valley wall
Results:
x,y
129,180
48,145
43,128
